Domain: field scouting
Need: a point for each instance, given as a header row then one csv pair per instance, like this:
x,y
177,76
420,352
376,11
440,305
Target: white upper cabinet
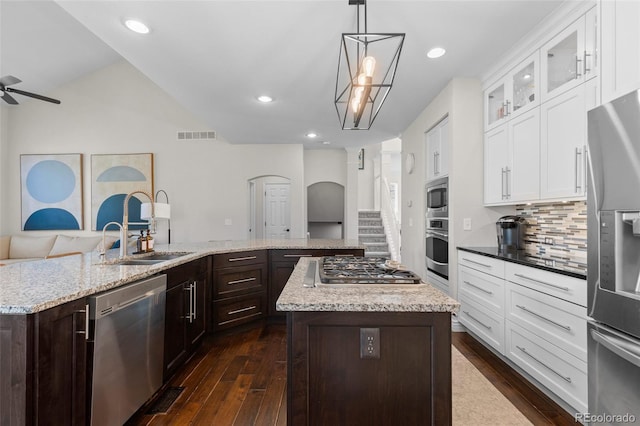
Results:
x,y
620,27
563,140
563,60
513,95
511,159
437,158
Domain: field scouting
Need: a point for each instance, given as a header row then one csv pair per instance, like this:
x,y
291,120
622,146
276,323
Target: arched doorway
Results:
x,y
325,210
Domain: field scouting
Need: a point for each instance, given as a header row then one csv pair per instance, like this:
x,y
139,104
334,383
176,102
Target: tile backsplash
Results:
x,y
556,230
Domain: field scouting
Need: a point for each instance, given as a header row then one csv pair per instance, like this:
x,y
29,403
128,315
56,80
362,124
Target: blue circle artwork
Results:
x,y
50,181
111,211
51,218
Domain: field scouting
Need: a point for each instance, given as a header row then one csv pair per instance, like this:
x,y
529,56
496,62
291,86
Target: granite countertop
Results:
x,y
363,298
33,286
573,267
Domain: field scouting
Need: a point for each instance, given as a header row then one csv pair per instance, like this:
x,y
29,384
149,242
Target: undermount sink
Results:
x,y
151,259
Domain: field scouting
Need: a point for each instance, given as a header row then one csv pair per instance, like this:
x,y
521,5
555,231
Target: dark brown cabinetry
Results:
x,y
330,382
239,288
283,262
43,364
186,312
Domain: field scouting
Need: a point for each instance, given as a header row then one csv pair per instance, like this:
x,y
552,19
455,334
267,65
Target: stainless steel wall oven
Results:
x,y
437,197
437,246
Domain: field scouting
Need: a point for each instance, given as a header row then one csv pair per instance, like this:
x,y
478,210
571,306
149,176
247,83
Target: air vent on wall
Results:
x,y
206,135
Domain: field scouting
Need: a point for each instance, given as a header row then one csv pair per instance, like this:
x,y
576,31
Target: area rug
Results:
x,y
476,401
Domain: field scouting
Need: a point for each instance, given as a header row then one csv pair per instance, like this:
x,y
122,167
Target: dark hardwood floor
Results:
x,y
239,378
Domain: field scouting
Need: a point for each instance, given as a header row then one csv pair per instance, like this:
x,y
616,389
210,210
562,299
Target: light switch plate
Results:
x,y
228,222
466,224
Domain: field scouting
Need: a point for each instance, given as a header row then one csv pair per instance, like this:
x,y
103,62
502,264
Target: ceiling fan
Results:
x,y
8,80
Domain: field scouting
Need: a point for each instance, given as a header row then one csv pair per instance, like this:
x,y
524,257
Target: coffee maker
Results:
x,y
510,231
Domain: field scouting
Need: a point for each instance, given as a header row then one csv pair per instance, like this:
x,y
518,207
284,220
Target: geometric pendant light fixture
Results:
x,y
366,68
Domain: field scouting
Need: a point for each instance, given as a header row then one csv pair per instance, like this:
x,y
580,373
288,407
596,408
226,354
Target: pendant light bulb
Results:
x,y
369,65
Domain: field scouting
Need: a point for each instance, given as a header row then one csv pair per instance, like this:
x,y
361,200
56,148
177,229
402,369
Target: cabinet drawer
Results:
x,y
571,289
483,289
481,263
230,282
239,258
290,255
238,310
486,324
562,373
557,321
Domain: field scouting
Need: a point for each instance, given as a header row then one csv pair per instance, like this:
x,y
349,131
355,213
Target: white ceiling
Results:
x,y
215,56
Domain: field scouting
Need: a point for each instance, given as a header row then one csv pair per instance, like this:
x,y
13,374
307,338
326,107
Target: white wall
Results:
x,y
461,100
118,110
366,177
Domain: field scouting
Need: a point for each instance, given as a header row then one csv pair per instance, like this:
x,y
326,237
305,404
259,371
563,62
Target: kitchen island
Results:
x,y
367,354
46,329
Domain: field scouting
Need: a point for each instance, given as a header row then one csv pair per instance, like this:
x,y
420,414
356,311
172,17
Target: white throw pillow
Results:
x,y
65,244
27,247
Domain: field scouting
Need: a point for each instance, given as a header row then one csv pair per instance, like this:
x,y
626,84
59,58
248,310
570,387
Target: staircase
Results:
x,y
371,234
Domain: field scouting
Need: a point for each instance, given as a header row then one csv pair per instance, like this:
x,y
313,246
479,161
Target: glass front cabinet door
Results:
x,y
514,94
563,60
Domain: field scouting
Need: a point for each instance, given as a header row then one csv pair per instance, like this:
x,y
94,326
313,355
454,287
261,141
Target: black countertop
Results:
x,y
576,268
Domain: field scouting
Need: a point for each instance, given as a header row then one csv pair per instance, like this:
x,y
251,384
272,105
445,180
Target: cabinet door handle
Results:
x,y
557,324
578,163
244,280
563,377
508,174
488,327
190,290
586,69
237,311
578,75
502,182
195,299
477,263
508,108
297,255
478,287
238,259
86,322
543,282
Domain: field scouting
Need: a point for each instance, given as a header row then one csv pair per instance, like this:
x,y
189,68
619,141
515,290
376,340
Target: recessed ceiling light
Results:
x,y
311,135
526,76
436,52
136,26
326,142
265,99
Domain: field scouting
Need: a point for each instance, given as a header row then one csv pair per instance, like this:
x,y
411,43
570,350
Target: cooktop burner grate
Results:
x,y
363,270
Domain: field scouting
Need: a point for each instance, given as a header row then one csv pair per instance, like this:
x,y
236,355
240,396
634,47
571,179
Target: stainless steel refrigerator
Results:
x,y
613,274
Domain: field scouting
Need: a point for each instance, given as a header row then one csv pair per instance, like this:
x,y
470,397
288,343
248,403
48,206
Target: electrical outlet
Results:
x,y
370,343
410,222
548,240
228,222
466,224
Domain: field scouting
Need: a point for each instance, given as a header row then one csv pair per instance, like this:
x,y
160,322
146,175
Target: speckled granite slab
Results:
x,y
34,286
361,298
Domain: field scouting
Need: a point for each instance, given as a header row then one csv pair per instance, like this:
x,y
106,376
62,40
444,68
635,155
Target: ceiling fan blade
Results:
x,y
32,95
9,99
8,80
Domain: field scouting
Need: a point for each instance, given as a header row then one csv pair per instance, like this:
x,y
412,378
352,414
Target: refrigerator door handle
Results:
x,y
618,347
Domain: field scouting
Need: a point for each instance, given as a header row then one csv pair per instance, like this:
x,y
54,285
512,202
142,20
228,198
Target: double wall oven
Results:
x,y
437,227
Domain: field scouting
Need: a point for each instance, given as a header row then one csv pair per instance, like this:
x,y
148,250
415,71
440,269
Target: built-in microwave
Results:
x,y
437,197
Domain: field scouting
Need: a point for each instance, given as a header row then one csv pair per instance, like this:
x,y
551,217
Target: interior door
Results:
x,y
277,214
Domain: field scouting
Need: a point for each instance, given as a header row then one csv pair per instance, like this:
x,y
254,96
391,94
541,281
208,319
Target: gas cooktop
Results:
x,y
364,270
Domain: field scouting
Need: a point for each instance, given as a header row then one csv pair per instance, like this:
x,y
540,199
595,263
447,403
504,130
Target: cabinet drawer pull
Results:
x,y
543,282
86,322
296,255
478,287
557,324
237,311
488,327
238,259
477,263
245,280
565,378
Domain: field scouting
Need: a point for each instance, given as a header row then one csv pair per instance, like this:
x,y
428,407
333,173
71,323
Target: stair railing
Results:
x,y
389,220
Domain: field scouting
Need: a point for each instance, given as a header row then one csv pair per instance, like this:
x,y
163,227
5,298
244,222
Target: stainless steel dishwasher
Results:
x,y
128,348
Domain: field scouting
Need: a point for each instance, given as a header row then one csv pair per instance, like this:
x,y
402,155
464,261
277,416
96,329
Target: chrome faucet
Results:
x,y
123,248
125,218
